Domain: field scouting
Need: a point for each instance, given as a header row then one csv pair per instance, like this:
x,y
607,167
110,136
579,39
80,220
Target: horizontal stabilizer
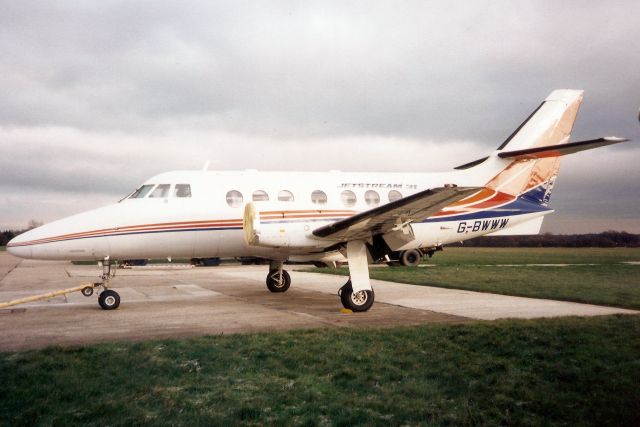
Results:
x,y
384,218
560,149
471,164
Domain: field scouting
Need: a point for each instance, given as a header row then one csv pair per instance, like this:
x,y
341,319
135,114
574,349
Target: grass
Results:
x,y
574,372
482,269
3,248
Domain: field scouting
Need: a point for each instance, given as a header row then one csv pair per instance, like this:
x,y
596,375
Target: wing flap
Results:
x,y
384,218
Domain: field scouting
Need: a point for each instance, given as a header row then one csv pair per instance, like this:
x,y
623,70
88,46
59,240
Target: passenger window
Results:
x,y
182,190
372,198
260,196
142,191
318,197
162,190
285,196
348,198
394,195
234,198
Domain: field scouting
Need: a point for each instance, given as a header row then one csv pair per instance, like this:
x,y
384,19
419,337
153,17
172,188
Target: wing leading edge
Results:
x,y
385,218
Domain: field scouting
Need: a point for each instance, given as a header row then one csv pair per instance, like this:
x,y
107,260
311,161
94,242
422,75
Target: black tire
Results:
x,y
343,292
210,262
109,300
276,285
87,291
358,302
411,258
136,262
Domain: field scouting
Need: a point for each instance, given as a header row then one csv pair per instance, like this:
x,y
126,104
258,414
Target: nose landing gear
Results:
x,y
108,298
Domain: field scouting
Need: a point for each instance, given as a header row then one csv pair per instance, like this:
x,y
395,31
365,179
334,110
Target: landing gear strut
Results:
x,y
278,280
357,294
356,301
108,298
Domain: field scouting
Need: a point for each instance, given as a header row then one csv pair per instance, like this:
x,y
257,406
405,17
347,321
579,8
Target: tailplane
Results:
x,y
527,163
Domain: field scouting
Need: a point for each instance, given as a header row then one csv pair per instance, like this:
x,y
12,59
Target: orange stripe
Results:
x,y
481,195
150,227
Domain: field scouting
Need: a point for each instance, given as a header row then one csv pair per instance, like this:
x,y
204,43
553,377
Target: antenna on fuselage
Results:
x,y
206,165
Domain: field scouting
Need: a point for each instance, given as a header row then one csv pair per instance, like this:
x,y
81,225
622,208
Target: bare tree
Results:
x,y
34,224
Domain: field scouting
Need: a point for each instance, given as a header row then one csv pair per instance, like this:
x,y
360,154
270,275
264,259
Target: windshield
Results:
x,y
162,190
142,191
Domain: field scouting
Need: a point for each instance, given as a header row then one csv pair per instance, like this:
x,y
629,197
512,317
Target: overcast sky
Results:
x,y
98,96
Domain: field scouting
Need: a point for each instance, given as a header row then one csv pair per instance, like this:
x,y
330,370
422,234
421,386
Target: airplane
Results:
x,y
363,217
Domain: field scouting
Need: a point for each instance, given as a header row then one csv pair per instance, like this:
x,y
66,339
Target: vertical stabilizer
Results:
x,y
550,124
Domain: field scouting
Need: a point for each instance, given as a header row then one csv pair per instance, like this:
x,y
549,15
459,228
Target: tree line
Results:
x,y
607,239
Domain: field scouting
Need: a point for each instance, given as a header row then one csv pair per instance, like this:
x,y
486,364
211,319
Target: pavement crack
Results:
x,y
10,270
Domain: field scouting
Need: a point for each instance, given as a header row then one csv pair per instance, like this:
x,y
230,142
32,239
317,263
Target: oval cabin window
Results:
x,y
372,198
348,198
318,197
234,198
394,195
260,196
285,196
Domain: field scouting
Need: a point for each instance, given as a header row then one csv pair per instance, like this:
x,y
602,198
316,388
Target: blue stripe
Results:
x,y
517,207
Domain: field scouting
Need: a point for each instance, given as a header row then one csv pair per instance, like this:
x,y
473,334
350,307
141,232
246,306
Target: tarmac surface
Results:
x,y
169,301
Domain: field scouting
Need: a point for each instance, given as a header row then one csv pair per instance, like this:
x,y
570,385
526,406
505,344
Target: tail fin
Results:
x,y
526,164
549,124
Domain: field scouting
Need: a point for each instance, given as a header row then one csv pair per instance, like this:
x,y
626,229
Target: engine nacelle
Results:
x,y
280,225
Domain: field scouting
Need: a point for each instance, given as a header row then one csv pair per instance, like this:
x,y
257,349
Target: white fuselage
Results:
x,y
209,222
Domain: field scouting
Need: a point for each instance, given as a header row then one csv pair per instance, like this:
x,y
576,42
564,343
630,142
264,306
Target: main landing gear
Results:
x,y
108,298
356,301
278,280
356,295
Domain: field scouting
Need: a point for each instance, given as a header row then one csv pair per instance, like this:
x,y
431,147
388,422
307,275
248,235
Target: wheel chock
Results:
x,y
346,311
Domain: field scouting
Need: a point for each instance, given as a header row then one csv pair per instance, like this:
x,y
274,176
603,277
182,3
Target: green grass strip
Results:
x,y
577,372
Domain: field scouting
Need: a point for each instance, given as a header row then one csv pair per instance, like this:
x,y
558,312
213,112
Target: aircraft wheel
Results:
x,y
109,300
411,258
87,291
277,283
357,301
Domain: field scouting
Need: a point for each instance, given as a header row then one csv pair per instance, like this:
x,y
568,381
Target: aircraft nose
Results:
x,y
16,248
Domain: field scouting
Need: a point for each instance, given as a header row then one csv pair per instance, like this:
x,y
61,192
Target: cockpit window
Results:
x,y
142,191
182,190
162,190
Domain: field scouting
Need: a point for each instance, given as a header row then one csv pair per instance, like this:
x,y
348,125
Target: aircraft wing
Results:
x,y
385,218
